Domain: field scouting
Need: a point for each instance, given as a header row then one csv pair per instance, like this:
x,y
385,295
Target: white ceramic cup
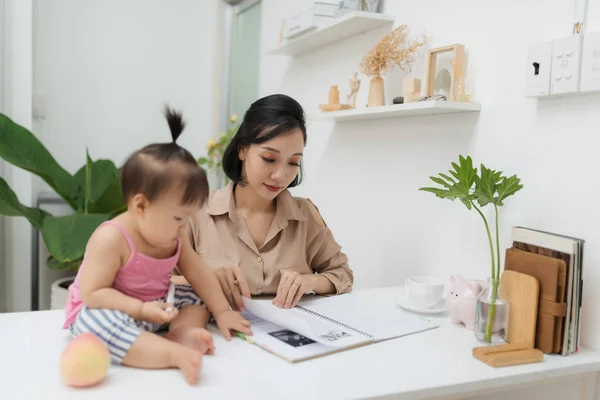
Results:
x,y
424,291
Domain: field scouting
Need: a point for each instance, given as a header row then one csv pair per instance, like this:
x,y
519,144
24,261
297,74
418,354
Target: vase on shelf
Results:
x,y
491,318
376,92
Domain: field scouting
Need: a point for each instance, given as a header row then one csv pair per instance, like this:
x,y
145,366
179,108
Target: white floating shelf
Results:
x,y
341,28
400,110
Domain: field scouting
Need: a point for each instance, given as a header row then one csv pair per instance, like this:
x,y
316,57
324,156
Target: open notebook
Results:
x,y
326,325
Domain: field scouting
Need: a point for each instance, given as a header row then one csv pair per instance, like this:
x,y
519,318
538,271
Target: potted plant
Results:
x,y
476,191
393,48
93,192
215,148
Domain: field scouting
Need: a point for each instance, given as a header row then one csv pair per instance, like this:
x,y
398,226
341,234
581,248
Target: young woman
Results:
x,y
253,233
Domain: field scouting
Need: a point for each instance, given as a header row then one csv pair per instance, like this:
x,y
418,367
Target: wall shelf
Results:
x,y
343,27
400,110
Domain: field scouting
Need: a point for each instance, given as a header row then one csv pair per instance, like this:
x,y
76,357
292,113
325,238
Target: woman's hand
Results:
x,y
291,288
234,285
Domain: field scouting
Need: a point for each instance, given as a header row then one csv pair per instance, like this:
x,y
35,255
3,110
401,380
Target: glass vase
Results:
x,y
491,318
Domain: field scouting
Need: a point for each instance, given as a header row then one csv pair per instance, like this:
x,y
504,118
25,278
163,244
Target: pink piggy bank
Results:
x,y
462,300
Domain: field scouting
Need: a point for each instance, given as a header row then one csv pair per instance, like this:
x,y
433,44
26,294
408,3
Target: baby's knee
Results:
x,y
117,330
200,312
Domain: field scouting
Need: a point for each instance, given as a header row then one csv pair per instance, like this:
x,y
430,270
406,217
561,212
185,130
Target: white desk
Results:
x,y
436,363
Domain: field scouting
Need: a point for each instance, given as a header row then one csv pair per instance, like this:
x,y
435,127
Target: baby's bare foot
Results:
x,y
195,338
189,363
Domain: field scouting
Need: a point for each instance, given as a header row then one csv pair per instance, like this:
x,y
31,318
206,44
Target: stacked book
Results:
x,y
556,261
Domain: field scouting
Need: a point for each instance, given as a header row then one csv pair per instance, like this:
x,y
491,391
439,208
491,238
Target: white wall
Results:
x,y
100,73
104,69
365,176
17,80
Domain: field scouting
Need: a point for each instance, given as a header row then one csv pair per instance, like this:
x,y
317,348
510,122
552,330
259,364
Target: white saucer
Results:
x,y
403,301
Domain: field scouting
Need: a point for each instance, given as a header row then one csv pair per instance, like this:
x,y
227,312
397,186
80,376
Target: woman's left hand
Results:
x,y
291,288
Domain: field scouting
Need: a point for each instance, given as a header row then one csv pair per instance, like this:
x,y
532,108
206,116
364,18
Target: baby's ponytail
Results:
x,y
175,121
157,167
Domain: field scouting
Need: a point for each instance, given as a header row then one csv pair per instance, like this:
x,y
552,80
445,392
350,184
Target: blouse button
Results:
x,y
259,259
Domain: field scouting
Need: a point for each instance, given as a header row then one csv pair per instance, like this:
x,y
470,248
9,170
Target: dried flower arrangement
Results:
x,y
393,48
379,60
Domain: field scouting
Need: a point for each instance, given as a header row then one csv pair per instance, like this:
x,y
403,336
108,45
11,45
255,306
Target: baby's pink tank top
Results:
x,y
142,277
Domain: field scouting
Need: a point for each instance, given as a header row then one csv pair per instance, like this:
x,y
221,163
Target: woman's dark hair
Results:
x,y
161,166
265,119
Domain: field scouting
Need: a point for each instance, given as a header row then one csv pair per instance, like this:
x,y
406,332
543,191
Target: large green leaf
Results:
x,y
53,263
88,181
507,187
486,185
99,187
491,187
66,237
12,207
20,147
111,202
458,187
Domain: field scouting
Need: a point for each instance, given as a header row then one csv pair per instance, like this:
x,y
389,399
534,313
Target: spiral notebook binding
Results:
x,y
316,314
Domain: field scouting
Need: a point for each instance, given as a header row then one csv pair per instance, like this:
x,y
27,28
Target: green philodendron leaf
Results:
x,y
12,207
485,185
54,264
99,182
507,187
441,182
88,181
449,179
21,148
111,202
493,188
66,237
458,188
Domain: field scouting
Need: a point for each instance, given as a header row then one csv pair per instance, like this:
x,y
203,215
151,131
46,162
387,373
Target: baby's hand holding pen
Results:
x,y
156,312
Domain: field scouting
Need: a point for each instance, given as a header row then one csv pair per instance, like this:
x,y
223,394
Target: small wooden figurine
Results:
x,y
334,101
411,89
354,84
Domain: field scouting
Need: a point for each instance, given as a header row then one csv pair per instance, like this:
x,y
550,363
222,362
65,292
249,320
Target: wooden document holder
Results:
x,y
504,355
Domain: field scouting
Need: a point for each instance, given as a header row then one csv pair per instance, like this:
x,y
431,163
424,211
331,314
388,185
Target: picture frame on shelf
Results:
x,y
445,69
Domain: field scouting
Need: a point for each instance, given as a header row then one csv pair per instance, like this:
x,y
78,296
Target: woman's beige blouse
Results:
x,y
298,240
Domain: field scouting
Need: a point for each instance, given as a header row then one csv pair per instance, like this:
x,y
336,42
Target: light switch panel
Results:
x,y
590,62
539,63
566,64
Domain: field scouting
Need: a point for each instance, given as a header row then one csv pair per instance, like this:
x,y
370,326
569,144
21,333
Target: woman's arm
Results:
x,y
321,284
202,279
206,285
325,258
